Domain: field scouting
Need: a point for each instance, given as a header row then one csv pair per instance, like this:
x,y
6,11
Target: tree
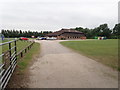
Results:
x,y
116,31
20,33
105,31
86,31
102,30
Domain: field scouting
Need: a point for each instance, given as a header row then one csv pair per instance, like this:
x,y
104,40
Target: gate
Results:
x,y
8,60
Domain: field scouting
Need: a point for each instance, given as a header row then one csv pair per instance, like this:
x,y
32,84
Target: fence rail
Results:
x,y
8,61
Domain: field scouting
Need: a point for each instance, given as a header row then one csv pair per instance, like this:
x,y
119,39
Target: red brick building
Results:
x,y
67,34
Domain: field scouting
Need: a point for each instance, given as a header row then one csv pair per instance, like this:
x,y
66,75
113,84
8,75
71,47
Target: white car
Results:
x,y
51,38
38,38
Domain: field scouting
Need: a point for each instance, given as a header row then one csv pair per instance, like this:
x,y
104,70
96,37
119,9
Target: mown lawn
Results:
x,y
104,51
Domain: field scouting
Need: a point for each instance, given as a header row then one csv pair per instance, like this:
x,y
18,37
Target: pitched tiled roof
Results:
x,y
63,31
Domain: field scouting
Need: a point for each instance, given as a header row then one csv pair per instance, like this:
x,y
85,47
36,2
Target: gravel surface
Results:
x,y
60,67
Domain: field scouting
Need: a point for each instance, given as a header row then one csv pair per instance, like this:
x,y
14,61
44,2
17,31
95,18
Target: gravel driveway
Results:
x,y
60,67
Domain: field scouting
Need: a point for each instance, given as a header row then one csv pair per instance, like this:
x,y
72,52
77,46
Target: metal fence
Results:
x,y
8,61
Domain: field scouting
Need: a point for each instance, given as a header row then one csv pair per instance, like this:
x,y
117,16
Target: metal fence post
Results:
x,y
10,57
16,50
10,61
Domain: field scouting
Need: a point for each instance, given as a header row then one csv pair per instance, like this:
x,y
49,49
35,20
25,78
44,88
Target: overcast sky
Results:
x,y
57,14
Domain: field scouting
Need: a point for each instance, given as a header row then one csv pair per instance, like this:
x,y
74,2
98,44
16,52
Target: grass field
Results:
x,y
20,45
104,51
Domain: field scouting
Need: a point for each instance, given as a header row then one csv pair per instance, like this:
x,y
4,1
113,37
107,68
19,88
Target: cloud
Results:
x,y
56,14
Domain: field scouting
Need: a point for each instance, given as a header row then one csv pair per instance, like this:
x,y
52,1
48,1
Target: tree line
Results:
x,y
102,30
20,33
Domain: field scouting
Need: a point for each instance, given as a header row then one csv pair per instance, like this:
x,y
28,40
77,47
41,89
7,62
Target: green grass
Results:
x,y
20,45
104,51
4,47
25,61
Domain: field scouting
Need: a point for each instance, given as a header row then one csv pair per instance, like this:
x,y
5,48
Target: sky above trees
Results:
x,y
57,14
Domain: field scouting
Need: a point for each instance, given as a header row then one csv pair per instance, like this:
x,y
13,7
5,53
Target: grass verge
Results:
x,y
104,51
20,77
25,61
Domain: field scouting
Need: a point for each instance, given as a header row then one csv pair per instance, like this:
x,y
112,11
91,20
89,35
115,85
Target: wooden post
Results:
x,y
21,54
25,50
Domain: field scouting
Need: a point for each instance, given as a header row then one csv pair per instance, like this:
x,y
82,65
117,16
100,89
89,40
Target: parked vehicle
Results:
x,y
46,38
23,38
51,38
38,38
41,38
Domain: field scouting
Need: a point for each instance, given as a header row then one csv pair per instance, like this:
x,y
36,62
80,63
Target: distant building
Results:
x,y
67,34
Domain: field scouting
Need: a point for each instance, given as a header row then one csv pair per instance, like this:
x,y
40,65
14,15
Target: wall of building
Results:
x,y
71,36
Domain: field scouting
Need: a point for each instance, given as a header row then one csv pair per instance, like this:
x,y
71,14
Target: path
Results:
x,y
60,67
